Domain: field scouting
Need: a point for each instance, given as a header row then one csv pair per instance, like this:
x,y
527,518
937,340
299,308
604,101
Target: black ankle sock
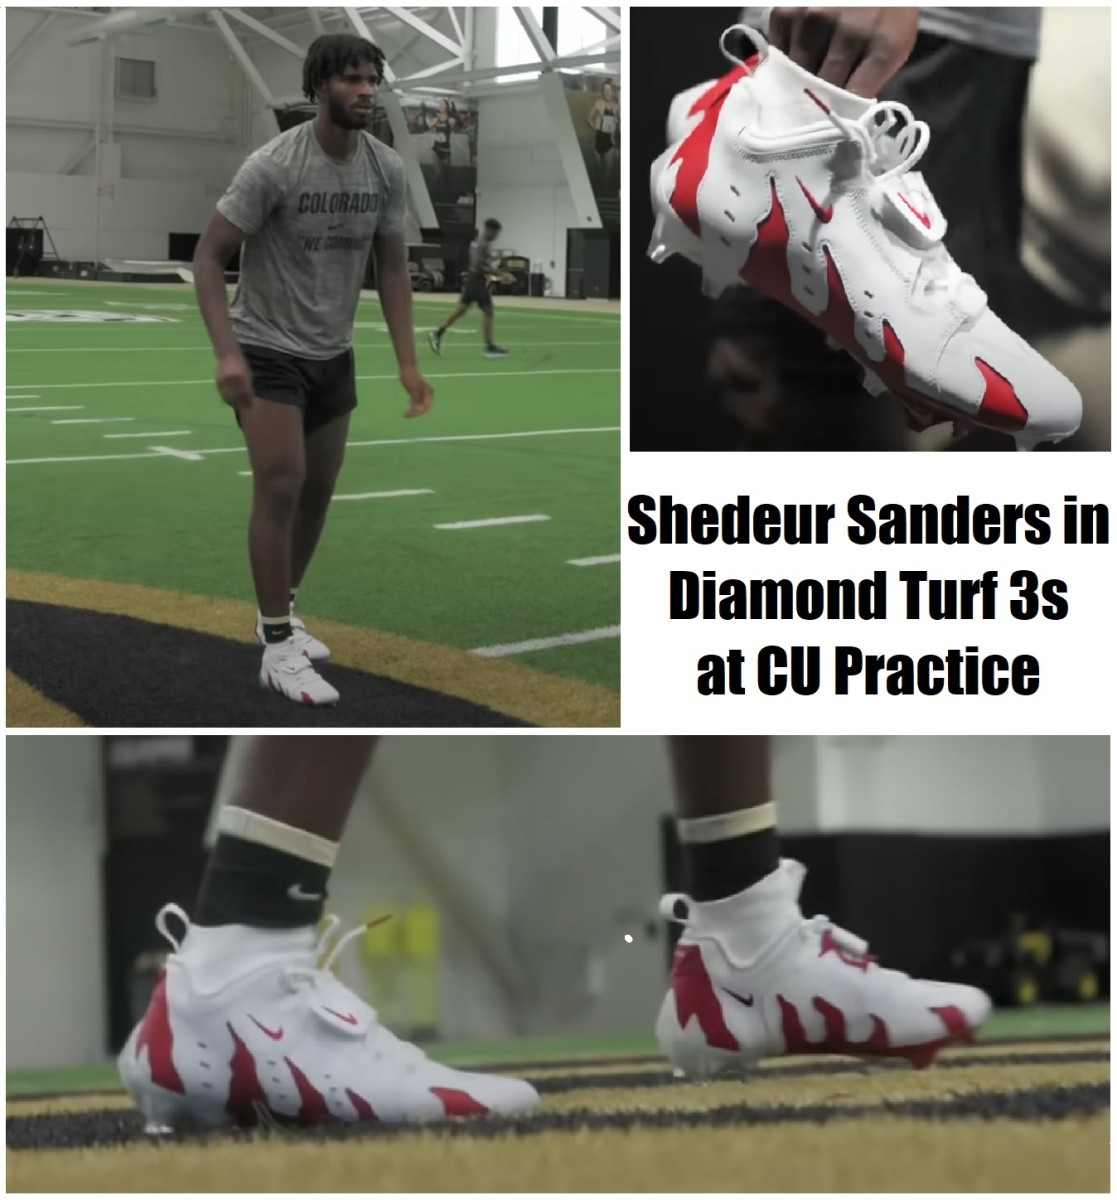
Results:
x,y
277,631
246,883
714,870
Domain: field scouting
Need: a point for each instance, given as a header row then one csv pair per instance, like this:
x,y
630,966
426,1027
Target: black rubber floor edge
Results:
x,y
104,1128
557,1084
174,678
826,1069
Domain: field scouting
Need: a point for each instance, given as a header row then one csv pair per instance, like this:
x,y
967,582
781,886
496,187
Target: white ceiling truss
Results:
x,y
444,34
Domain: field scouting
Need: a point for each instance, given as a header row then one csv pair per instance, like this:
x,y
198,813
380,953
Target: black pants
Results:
x,y
973,101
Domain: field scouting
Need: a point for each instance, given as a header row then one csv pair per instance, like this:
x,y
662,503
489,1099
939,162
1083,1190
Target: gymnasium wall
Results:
x,y
520,180
172,155
55,960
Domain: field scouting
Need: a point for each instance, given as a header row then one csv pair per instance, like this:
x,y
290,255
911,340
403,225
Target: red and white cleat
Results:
x,y
245,1027
810,194
753,978
287,670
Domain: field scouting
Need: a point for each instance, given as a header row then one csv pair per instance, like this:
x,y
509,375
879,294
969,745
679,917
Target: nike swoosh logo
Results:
x,y
823,214
922,218
337,226
296,892
348,1018
274,1034
747,1001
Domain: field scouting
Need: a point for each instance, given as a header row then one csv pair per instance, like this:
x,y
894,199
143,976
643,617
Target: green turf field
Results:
x,y
124,467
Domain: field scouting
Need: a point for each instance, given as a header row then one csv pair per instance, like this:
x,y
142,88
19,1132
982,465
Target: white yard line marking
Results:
x,y
161,433
47,407
593,562
525,520
387,495
457,437
91,420
549,643
485,437
77,459
18,394
491,375
189,455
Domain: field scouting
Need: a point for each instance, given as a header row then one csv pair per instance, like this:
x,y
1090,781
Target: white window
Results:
x,y
513,47
578,31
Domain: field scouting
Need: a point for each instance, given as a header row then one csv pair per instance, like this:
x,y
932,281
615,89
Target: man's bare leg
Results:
x,y
325,453
273,433
453,318
726,818
278,837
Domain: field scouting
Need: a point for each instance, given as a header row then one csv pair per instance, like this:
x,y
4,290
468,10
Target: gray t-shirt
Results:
x,y
310,223
482,257
1013,31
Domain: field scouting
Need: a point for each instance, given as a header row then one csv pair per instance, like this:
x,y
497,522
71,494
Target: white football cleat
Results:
x,y
245,1028
287,670
809,193
307,644
752,978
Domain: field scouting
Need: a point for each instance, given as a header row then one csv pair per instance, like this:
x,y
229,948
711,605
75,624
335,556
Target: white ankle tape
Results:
x,y
253,827
722,826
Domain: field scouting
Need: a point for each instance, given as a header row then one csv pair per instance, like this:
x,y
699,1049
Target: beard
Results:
x,y
345,118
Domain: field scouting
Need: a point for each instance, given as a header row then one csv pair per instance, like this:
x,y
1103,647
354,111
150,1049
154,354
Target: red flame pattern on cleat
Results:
x,y
878,1044
459,1104
694,152
245,1089
695,997
1000,406
156,1035
768,269
363,1109
312,1106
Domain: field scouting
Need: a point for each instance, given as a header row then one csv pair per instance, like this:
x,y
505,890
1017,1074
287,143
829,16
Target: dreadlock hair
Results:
x,y
331,53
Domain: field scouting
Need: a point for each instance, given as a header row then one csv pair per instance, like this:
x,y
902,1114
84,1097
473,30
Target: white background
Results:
x,y
659,656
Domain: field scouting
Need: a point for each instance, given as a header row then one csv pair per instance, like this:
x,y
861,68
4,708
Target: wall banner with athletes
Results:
x,y
444,133
595,109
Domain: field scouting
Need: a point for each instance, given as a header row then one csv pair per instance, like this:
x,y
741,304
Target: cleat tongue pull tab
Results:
x,y
912,209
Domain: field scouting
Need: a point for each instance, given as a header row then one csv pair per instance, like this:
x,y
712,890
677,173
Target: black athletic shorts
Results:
x,y
324,388
476,291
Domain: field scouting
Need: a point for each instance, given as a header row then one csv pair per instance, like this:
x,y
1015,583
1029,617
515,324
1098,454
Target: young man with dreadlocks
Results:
x,y
307,208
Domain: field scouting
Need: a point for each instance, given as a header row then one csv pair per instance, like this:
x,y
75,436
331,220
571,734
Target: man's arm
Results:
x,y
393,282
214,250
